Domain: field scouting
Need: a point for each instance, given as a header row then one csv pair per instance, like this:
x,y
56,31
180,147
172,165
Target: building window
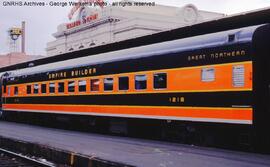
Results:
x,y
108,84
36,87
94,84
238,76
52,87
61,87
28,89
71,86
208,75
81,46
123,83
140,82
160,81
82,86
43,88
16,91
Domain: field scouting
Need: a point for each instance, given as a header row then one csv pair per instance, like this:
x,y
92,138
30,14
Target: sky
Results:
x,y
42,22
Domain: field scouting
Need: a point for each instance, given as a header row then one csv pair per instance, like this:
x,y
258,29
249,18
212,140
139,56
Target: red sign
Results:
x,y
79,4
79,22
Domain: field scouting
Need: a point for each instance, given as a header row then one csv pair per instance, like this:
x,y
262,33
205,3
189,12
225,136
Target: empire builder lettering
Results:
x,y
77,73
73,73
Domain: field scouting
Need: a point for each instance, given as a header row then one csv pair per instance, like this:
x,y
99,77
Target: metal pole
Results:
x,y
23,37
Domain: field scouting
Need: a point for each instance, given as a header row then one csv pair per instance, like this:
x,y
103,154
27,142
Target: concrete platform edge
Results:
x,y
65,158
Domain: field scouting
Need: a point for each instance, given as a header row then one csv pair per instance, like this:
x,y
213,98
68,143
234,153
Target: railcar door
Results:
x,y
1,96
3,86
1,100
261,85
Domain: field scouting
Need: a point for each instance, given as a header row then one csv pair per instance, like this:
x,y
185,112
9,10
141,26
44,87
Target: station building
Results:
x,y
99,26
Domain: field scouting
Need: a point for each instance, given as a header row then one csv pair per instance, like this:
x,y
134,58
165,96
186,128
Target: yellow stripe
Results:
x,y
138,92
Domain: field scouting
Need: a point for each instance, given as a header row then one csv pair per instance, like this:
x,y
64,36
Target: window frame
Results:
x,y
238,79
28,86
166,81
105,83
51,87
70,82
127,82
208,80
35,89
85,89
9,91
5,86
145,81
16,91
58,87
41,88
99,80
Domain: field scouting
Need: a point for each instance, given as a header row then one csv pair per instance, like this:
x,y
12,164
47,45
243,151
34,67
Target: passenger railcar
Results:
x,y
218,79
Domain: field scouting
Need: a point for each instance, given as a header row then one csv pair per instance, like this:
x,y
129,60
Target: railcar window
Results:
x,y
238,76
71,86
52,87
208,74
36,87
16,91
82,86
28,89
8,91
5,88
123,83
231,38
5,85
61,86
108,84
94,84
140,82
160,81
43,88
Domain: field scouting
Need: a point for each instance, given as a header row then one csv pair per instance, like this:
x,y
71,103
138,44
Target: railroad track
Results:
x,y
11,159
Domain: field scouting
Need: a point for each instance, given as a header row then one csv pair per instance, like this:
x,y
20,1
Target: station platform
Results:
x,y
130,151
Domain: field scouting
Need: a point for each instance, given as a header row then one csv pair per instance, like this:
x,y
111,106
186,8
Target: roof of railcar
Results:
x,y
164,48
